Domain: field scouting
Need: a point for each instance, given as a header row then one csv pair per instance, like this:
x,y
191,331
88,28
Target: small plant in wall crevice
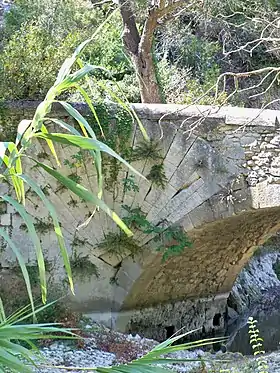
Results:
x,y
119,244
129,184
41,226
157,176
147,150
256,343
137,219
179,240
78,242
82,267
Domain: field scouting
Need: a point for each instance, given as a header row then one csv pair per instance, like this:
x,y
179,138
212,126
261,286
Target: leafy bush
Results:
x,y
55,17
188,65
45,31
21,77
180,87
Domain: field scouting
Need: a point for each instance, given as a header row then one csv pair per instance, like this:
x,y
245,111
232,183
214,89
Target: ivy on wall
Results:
x,y
117,127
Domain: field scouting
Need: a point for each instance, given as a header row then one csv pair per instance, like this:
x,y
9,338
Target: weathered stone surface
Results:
x,y
5,219
219,252
162,321
216,177
94,293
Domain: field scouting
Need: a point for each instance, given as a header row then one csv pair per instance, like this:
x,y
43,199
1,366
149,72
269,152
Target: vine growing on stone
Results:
x,y
171,240
117,132
129,184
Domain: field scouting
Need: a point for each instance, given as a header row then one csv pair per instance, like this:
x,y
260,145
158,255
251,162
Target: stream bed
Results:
x,y
267,314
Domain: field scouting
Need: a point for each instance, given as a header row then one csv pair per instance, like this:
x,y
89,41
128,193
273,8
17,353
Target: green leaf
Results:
x,y
50,145
88,101
80,74
85,143
43,108
86,128
15,349
125,107
57,228
36,241
13,164
10,361
85,194
21,264
22,129
64,125
2,312
171,340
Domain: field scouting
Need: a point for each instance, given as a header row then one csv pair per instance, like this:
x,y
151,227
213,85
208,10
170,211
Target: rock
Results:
x,y
258,276
232,314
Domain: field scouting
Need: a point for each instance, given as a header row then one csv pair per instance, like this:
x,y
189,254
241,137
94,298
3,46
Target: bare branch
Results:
x,y
171,7
267,89
101,2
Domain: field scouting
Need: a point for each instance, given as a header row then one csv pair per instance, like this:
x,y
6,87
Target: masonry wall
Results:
x,y
218,164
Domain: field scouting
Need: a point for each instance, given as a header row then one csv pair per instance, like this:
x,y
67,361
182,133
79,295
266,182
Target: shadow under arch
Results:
x,y
190,290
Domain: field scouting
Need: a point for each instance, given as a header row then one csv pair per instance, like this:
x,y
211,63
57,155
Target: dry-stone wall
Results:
x,y
222,172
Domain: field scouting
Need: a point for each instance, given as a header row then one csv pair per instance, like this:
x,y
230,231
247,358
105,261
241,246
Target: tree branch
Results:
x,y
155,14
172,5
98,3
131,37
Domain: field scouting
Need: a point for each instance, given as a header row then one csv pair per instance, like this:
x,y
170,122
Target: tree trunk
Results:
x,y
140,52
146,75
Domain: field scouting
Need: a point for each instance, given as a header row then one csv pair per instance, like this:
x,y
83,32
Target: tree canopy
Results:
x,y
208,52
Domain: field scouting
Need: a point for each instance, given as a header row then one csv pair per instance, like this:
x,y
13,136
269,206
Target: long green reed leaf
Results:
x,y
36,241
87,144
50,145
86,195
57,228
21,263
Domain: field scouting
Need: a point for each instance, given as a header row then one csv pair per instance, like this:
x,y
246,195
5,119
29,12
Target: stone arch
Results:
x,y
201,278
218,179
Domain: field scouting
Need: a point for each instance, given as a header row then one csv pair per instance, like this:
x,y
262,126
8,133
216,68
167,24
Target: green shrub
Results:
x,y
21,77
46,31
55,17
181,87
188,67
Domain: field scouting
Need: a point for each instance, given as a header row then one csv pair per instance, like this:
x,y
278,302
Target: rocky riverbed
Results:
x,y
256,293
103,347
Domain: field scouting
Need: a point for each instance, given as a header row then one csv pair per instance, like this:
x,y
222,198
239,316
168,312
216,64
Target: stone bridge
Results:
x,y
222,167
